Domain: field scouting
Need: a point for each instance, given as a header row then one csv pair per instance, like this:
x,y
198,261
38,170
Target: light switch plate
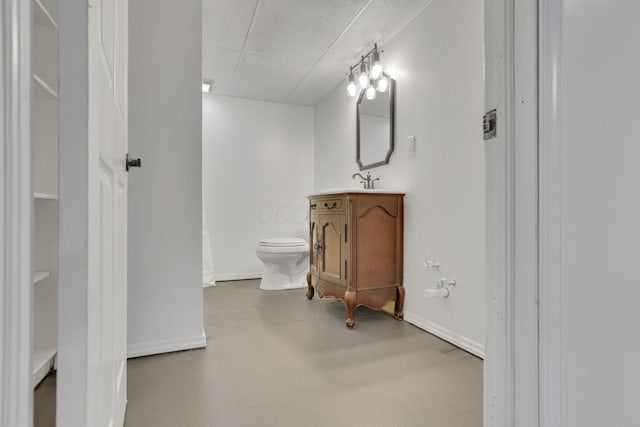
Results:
x,y
412,146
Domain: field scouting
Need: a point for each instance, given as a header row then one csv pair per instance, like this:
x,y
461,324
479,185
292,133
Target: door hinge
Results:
x,y
489,124
345,269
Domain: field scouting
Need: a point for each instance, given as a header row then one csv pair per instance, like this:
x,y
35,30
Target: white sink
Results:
x,y
354,190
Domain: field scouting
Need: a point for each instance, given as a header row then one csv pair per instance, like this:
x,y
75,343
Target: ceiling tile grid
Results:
x,y
265,79
293,51
225,22
219,64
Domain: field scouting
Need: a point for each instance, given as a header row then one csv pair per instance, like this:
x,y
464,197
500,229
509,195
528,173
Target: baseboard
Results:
x,y
166,346
446,334
209,285
238,276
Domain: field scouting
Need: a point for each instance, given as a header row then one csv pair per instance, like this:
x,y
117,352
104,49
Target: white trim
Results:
x,y
454,338
166,346
16,215
511,363
238,276
550,351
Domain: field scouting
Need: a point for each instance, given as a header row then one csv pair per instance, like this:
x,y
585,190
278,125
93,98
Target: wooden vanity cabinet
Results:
x,y
356,250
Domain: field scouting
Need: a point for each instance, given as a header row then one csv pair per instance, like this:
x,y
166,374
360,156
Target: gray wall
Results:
x,y
165,196
595,177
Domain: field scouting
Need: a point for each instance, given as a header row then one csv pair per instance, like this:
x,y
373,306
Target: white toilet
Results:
x,y
286,263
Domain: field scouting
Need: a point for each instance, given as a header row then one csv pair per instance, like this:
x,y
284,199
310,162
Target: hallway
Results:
x,y
277,359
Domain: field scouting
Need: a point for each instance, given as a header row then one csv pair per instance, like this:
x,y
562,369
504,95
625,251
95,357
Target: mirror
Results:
x,y
375,124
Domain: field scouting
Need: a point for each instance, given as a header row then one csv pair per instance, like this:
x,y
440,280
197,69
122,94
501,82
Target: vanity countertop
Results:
x,y
353,190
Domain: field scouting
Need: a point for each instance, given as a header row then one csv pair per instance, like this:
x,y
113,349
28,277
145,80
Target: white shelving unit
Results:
x,y
45,196
45,186
39,276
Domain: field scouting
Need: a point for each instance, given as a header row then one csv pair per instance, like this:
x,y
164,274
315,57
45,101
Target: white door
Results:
x,y
107,297
92,370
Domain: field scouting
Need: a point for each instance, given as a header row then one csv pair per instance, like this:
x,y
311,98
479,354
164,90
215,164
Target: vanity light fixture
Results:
x,y
207,85
370,75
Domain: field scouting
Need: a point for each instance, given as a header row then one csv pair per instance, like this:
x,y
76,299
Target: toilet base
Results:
x,y
281,287
284,267
275,279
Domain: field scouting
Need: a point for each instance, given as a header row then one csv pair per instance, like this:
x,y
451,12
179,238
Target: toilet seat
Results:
x,y
282,243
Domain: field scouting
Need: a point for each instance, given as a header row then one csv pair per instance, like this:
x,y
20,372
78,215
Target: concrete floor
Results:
x,y
277,359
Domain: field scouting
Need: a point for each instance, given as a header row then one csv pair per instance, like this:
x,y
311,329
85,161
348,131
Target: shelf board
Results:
x,y
42,363
39,276
43,89
45,196
41,14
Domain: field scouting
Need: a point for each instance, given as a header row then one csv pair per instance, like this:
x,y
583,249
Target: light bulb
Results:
x,y
383,84
363,78
376,68
351,87
371,92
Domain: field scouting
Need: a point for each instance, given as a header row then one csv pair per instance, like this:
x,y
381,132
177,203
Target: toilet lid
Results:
x,y
290,242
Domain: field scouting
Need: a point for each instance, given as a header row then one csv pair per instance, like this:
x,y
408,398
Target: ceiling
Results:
x,y
293,51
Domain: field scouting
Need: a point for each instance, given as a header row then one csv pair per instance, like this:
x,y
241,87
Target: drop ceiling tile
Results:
x,y
290,36
266,79
219,65
316,85
380,21
225,23
300,30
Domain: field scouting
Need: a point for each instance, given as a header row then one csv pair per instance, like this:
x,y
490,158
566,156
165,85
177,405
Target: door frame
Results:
x,y
16,214
550,28
511,377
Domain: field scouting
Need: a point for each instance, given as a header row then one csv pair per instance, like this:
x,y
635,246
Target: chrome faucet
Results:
x,y
367,182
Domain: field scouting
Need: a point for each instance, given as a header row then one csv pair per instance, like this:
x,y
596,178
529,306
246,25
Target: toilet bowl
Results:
x,y
286,263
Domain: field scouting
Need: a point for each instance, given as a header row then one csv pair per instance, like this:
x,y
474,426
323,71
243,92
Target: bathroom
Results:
x,y
279,126
297,135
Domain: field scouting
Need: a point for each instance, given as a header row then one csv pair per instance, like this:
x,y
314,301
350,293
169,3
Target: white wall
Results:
x,y
599,237
257,161
165,195
437,62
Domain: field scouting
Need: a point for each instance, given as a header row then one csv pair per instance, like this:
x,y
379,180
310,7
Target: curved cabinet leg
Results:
x,y
350,302
398,311
310,290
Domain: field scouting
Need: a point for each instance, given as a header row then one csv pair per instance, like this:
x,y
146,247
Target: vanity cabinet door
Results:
x,y
333,252
314,239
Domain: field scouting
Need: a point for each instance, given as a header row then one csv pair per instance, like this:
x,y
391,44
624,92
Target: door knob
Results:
x,y
133,163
